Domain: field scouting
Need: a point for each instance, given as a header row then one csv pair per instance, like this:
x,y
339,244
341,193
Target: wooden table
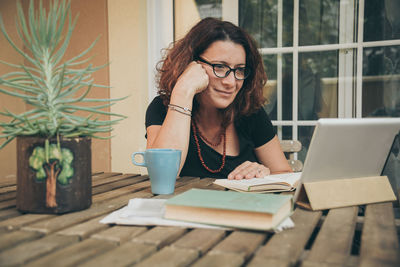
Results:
x,y
353,236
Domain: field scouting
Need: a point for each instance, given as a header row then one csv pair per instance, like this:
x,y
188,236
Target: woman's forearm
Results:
x,y
175,130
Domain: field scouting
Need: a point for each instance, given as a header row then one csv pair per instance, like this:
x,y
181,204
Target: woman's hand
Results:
x,y
248,170
194,79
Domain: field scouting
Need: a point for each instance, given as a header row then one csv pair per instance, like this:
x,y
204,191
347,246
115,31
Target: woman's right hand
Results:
x,y
194,79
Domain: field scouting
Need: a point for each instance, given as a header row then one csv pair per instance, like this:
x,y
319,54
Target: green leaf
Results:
x,y
37,158
47,150
61,51
54,152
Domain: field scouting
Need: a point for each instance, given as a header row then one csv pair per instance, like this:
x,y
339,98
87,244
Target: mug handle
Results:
x,y
138,163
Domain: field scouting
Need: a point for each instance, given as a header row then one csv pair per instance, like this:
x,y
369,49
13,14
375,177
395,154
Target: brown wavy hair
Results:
x,y
197,40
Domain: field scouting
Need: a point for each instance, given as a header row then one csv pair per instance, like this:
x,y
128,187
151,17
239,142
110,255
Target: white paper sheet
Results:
x,y
144,211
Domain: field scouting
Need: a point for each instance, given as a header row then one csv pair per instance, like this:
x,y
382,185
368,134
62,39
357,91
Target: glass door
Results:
x,y
323,58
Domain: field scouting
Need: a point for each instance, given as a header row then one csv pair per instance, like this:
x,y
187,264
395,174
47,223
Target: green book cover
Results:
x,y
230,200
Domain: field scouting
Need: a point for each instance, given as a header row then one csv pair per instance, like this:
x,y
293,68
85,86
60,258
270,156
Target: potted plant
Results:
x,y
54,135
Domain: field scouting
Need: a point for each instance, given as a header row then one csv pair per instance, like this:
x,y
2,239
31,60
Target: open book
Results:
x,y
271,183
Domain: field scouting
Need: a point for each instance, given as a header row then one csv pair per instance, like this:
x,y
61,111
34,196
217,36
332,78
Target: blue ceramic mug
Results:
x,y
163,166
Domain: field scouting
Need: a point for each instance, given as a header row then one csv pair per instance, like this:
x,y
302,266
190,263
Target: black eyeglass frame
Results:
x,y
246,72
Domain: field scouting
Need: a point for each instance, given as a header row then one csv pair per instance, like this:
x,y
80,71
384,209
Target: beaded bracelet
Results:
x,y
180,109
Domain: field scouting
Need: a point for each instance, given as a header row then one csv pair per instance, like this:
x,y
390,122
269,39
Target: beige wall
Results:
x,y
128,76
121,25
92,23
8,154
186,16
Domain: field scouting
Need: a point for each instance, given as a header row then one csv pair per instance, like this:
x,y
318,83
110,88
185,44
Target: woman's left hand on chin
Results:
x,y
248,170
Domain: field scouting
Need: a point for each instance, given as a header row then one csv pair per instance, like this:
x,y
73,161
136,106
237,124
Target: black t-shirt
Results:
x,y
253,131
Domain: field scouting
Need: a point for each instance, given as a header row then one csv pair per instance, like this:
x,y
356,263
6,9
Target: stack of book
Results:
x,y
230,209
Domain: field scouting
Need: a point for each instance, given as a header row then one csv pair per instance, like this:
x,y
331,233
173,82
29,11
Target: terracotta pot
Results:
x,y
56,181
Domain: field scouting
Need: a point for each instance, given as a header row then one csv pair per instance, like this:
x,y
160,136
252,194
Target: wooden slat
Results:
x,y
292,240
182,185
8,195
7,189
220,260
23,220
84,230
12,239
160,236
8,204
67,220
117,184
97,182
340,224
195,183
183,181
122,191
379,240
360,223
170,256
8,181
9,213
200,239
258,261
105,175
74,254
31,250
125,255
296,165
120,234
234,250
241,243
290,145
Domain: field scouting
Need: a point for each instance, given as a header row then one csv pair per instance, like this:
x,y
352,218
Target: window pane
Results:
x,y
381,82
259,18
392,166
287,24
209,8
270,92
381,20
318,86
305,135
188,13
287,132
318,22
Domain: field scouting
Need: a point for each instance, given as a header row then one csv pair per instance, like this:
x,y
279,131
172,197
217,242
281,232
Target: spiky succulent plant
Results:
x,y
54,87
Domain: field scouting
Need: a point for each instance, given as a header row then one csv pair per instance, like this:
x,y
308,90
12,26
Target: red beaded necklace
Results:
x,y
196,134
208,141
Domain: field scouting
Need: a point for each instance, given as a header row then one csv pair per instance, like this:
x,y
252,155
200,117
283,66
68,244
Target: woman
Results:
x,y
210,106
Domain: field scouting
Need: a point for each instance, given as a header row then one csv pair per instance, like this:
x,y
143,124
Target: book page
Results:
x,y
288,179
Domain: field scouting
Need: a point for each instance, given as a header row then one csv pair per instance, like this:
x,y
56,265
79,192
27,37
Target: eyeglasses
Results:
x,y
222,70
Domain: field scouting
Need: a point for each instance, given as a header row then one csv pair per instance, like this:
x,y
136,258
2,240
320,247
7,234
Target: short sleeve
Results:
x,y
156,112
